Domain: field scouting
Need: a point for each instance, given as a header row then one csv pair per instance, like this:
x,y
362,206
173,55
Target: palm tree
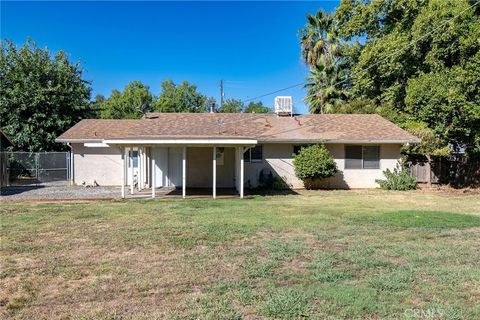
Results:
x,y
325,90
317,40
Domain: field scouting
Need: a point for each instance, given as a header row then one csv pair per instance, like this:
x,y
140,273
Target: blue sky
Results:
x,y
252,46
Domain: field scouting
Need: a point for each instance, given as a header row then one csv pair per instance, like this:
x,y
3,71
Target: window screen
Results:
x,y
353,157
371,157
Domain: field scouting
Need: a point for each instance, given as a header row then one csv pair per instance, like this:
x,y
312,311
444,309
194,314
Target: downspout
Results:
x,y
72,177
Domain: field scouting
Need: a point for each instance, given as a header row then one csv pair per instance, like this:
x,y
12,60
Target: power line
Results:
x,y
376,63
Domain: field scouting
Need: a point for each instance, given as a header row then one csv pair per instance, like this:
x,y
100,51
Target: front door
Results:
x,y
132,161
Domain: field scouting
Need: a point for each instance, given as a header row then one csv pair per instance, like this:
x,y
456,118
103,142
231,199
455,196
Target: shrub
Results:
x,y
314,163
398,179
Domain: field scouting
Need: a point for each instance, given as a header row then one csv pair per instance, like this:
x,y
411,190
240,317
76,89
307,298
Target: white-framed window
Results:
x,y
362,157
254,154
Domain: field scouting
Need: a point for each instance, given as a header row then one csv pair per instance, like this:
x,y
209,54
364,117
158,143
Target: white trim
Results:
x,y
183,141
349,141
95,144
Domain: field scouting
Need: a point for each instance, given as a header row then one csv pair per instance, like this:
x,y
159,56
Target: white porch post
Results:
x,y
242,169
153,177
131,169
123,173
214,185
184,172
139,169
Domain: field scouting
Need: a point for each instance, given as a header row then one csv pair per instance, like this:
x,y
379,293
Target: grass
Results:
x,y
331,254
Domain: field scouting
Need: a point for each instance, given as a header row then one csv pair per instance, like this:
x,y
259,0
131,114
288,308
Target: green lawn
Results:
x,y
338,254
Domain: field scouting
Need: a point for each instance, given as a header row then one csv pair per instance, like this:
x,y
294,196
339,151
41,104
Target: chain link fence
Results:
x,y
35,168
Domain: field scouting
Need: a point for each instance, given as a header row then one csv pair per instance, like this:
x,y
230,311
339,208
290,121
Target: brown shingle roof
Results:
x,y
261,127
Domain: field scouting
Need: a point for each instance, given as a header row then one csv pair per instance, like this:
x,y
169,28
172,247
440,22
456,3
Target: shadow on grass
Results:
x,y
424,219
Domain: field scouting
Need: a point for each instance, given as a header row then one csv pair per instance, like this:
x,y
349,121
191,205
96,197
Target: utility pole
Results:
x,y
221,95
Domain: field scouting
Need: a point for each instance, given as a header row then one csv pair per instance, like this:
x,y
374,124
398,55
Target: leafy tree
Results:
x,y
41,95
256,107
435,80
95,110
180,98
211,104
314,163
131,103
232,106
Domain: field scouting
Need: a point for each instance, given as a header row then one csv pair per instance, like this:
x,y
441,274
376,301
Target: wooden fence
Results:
x,y
3,169
457,171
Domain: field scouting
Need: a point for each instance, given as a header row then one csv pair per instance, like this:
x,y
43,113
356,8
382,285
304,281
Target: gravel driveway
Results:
x,y
57,193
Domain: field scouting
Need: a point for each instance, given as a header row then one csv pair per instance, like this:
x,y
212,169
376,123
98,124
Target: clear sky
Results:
x,y
252,46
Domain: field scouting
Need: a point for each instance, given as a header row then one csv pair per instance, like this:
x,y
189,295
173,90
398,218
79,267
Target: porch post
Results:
x,y
131,170
123,173
140,167
214,186
242,169
184,172
153,177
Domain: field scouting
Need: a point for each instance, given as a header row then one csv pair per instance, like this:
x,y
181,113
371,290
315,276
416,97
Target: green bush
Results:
x,y
314,163
398,179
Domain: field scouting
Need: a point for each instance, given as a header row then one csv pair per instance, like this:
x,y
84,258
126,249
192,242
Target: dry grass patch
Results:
x,y
346,254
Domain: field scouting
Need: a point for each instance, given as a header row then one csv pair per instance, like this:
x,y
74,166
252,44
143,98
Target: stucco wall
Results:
x,y
200,168
103,165
278,159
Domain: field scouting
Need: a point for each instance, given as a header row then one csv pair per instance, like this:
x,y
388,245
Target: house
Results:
x,y
221,150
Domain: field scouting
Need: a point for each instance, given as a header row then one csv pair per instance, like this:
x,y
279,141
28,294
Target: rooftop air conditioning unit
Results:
x,y
283,105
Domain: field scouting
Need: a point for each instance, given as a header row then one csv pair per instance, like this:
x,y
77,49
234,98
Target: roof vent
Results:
x,y
283,105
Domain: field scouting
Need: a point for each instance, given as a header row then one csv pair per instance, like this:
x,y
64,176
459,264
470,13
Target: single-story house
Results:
x,y
221,150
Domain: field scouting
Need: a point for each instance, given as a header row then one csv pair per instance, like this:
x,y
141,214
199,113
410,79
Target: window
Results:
x,y
362,157
297,148
254,154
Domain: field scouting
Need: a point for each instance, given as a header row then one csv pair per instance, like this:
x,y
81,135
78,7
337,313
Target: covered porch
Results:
x,y
177,168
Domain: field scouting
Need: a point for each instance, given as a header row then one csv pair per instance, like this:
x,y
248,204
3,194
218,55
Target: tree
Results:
x,y
420,60
95,109
132,103
319,45
41,95
256,107
324,94
181,98
314,163
323,51
232,106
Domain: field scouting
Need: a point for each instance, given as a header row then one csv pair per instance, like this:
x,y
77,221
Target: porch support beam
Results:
x,y
214,184
242,169
153,177
132,172
184,172
123,172
139,169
